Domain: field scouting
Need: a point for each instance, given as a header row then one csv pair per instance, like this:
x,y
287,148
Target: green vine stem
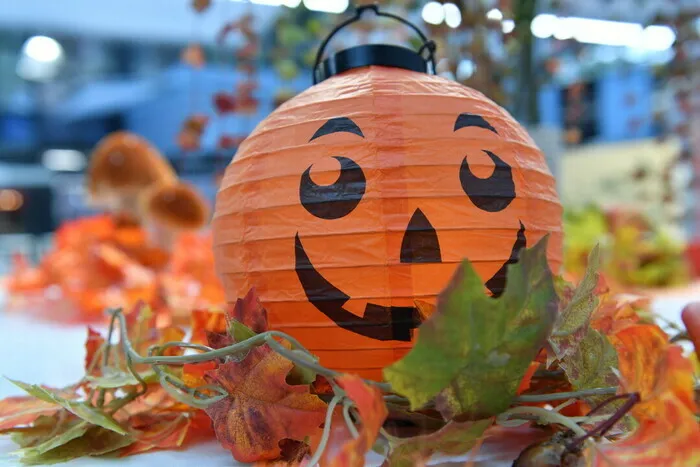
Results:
x,y
557,396
326,430
203,396
347,405
543,415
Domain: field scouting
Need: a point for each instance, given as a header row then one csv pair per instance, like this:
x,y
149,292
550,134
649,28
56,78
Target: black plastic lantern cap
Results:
x,y
374,54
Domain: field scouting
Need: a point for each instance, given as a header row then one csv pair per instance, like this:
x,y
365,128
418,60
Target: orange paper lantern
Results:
x,y
362,195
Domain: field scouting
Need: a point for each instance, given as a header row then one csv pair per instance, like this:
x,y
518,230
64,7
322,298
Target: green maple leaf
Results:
x,y
586,356
575,317
474,350
592,364
96,441
35,434
453,439
81,409
58,437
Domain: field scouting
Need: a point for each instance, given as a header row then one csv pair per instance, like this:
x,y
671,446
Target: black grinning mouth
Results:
x,y
384,323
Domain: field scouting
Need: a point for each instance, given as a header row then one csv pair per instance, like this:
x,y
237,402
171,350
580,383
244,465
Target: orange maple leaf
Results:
x,y
527,377
205,321
93,346
262,408
671,440
344,449
157,431
668,433
23,410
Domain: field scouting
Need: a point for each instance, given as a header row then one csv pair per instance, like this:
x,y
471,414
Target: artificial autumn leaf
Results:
x,y
650,367
203,321
217,340
585,355
691,319
475,369
262,408
93,346
193,55
224,103
574,318
453,439
668,433
228,142
200,5
372,411
80,409
527,378
60,435
671,440
158,431
592,363
250,312
40,429
301,374
171,334
615,314
23,410
193,373
95,442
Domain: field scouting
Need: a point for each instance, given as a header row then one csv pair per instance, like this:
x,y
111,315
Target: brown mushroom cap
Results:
x,y
123,164
176,207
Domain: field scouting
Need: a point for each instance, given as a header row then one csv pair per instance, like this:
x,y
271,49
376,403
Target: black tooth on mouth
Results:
x,y
497,283
384,323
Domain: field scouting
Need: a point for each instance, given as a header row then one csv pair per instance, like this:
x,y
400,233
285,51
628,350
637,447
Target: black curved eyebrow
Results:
x,y
467,120
337,125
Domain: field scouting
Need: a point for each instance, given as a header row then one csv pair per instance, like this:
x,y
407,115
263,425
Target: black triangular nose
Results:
x,y
420,241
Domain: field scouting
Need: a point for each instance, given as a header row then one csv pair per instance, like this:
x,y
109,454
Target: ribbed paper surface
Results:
x,y
411,158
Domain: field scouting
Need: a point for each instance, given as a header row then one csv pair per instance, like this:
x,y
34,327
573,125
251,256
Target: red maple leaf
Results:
x,y
262,408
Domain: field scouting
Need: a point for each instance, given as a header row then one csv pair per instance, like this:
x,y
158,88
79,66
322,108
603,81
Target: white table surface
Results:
x,y
52,354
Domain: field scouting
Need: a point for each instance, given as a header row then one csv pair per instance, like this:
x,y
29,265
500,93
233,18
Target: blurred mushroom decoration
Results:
x,y
168,210
122,166
131,179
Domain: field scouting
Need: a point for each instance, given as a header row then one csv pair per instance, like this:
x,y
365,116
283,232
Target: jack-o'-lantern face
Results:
x,y
363,194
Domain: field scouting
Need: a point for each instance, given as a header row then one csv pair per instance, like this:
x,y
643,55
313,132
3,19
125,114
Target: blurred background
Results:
x,y
609,89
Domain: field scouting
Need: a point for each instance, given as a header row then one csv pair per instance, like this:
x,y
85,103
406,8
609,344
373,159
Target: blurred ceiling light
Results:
x,y
563,29
42,49
453,17
495,14
508,25
64,160
603,32
658,38
543,26
465,69
40,59
10,200
327,6
433,13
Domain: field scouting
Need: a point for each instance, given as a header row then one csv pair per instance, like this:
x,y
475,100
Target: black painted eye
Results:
x,y
490,194
338,199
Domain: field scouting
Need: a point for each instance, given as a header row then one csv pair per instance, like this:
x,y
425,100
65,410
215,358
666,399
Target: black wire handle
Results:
x,y
428,44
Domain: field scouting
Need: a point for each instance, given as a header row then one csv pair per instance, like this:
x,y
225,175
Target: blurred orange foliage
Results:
x,y
98,262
